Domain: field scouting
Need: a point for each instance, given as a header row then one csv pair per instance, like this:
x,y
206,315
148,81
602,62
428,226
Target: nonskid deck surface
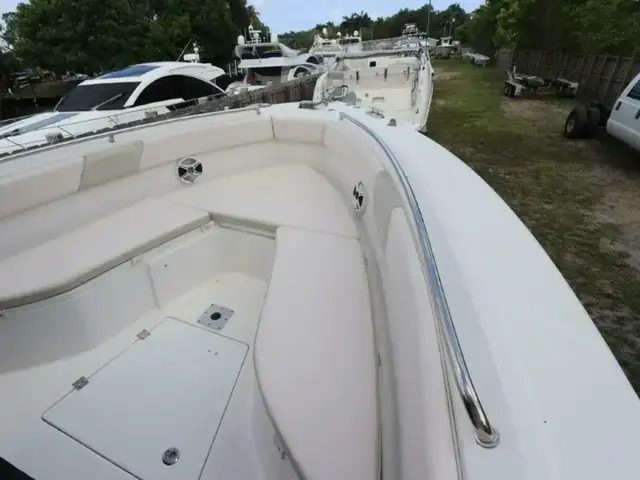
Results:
x,y
395,101
229,446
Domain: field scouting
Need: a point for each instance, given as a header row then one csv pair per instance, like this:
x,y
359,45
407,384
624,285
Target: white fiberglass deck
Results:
x,y
117,413
184,385
399,86
395,101
332,366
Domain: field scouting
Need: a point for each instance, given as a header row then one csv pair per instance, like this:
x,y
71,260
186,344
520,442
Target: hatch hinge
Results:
x,y
143,334
80,383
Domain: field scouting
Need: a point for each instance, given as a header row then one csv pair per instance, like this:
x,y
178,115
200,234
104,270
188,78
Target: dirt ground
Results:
x,y
581,199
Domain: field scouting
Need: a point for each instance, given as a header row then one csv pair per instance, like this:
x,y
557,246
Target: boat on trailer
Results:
x,y
396,82
280,293
270,63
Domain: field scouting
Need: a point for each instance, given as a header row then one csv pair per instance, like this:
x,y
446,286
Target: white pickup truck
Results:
x,y
622,121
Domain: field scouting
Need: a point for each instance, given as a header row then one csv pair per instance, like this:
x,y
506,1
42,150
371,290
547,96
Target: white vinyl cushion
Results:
x,y
287,195
314,356
110,164
298,130
30,188
65,262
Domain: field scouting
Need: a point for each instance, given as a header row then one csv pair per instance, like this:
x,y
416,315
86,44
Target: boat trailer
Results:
x,y
517,84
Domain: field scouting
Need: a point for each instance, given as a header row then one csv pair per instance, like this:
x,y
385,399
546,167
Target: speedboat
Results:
x,y
295,291
410,37
270,63
398,82
122,96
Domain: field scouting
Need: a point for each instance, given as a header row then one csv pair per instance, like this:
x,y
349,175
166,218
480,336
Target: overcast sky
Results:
x,y
285,15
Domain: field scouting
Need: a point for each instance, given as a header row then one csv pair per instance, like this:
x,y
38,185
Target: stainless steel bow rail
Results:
x,y
486,435
199,106
111,132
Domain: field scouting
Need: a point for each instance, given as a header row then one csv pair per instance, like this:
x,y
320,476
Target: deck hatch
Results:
x,y
161,399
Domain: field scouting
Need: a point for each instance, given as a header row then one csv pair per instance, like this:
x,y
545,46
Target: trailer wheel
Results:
x,y
509,90
576,124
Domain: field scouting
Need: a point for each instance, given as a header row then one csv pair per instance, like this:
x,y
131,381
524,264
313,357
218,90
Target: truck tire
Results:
x,y
605,112
576,124
593,121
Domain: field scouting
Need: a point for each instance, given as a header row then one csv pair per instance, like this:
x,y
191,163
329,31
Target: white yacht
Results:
x,y
327,48
397,82
270,63
133,93
296,291
350,43
411,37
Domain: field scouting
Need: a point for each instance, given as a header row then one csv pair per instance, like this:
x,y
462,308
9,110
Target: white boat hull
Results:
x,y
401,87
338,257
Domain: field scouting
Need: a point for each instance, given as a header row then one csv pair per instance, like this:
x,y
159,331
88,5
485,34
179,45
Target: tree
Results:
x,y
613,26
241,17
208,22
355,21
81,35
482,26
94,35
593,26
9,64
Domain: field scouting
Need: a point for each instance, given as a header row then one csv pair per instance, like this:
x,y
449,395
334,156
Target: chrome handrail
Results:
x,y
486,435
114,119
126,127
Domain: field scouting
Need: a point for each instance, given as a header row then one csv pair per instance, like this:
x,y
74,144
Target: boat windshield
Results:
x,y
105,96
264,75
348,41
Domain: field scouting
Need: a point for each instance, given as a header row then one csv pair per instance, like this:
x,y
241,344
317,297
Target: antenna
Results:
x,y
183,50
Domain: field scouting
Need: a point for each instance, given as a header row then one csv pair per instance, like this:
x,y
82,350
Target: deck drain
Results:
x,y
215,317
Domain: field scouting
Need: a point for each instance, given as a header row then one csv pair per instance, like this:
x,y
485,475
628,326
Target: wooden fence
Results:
x,y
503,58
293,91
601,77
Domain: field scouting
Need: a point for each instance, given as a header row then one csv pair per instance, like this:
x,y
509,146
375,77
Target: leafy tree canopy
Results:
x,y
594,26
95,35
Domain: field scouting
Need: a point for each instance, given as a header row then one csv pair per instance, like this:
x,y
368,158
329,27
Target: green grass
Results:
x,y
556,187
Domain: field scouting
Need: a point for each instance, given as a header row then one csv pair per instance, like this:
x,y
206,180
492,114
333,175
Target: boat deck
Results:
x,y
27,394
394,101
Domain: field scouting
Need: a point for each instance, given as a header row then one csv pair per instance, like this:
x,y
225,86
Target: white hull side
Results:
x,y
276,230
